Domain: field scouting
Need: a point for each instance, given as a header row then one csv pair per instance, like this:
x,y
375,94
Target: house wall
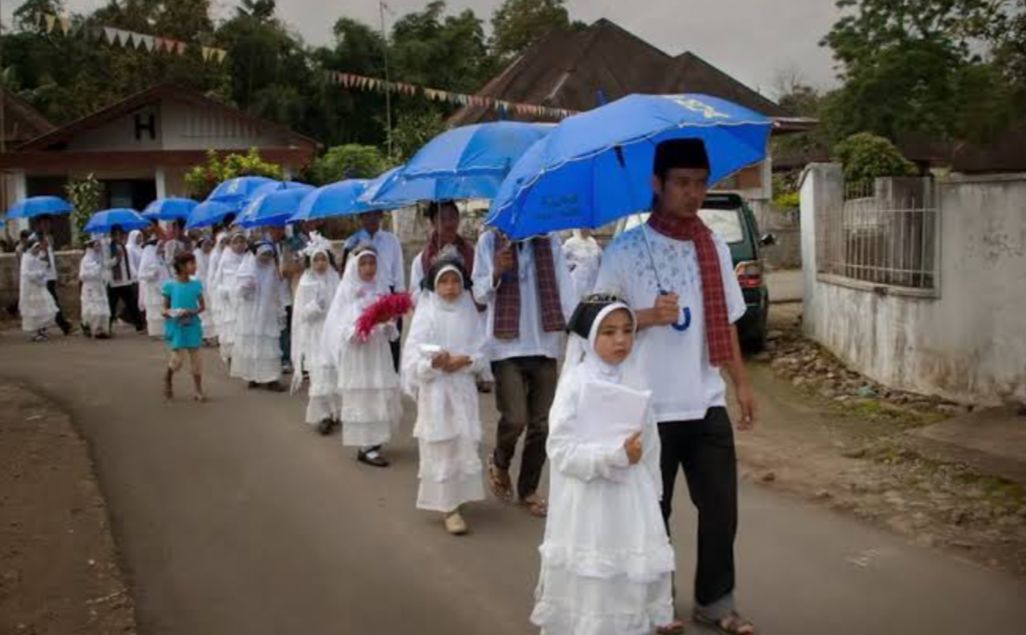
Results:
x,y
968,343
190,127
119,134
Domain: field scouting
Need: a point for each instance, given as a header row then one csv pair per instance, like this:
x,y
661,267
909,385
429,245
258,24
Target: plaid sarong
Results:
x,y
717,326
507,297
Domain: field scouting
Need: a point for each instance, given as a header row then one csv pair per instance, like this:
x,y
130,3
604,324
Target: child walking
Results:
x,y
316,290
204,262
93,274
442,355
35,304
367,380
606,561
183,304
224,287
152,276
260,298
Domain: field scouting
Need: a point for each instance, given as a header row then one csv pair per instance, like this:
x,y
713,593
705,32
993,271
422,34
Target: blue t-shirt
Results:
x,y
188,332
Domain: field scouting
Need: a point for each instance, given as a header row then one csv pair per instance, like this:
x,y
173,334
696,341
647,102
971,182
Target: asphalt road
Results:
x,y
233,517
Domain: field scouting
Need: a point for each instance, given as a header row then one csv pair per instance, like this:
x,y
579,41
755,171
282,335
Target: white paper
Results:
x,y
610,412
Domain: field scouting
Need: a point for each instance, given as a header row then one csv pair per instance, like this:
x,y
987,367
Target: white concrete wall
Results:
x,y
967,344
119,134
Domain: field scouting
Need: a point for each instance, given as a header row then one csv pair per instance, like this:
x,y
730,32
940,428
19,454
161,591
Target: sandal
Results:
x,y
730,624
499,482
536,505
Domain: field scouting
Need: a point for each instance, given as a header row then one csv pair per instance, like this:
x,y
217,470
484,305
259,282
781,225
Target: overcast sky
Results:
x,y
753,40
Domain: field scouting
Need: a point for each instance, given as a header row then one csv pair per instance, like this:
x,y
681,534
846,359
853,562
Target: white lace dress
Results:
x,y
310,309
35,304
260,296
92,273
152,275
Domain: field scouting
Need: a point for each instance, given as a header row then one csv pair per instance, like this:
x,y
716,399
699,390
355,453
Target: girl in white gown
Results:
x,y
152,275
606,562
204,262
444,351
134,247
314,295
223,286
367,380
584,257
209,285
93,274
37,307
260,298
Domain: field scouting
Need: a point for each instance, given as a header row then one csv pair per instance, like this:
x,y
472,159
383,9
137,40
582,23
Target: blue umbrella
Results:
x,y
38,206
210,213
123,217
170,209
596,167
465,162
276,186
273,209
239,189
336,199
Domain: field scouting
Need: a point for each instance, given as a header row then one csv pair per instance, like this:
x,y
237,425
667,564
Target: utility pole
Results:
x,y
388,80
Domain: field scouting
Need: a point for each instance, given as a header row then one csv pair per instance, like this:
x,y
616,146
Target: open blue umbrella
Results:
x,y
276,186
122,217
170,208
38,206
330,201
273,209
239,189
596,167
465,162
210,213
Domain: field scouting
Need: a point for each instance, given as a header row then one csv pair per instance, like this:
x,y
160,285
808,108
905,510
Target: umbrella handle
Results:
x,y
679,326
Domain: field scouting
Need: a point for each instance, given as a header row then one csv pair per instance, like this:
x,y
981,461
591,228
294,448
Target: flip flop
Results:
x,y
499,482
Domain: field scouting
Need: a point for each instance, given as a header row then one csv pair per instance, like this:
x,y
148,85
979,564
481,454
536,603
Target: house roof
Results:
x,y
1006,154
21,120
55,139
567,69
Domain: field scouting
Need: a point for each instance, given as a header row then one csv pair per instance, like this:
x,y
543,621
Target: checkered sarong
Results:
x,y
506,325
714,302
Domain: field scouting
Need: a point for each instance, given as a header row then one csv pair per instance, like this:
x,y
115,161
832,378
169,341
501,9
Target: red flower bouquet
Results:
x,y
384,309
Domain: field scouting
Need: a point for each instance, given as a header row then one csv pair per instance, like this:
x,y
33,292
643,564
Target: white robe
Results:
x,y
584,257
213,312
448,425
310,309
134,250
223,285
92,273
152,275
260,298
367,381
37,307
606,561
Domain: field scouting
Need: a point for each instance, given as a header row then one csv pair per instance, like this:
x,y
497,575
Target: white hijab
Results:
x,y
351,298
261,286
92,264
135,251
227,268
313,287
152,263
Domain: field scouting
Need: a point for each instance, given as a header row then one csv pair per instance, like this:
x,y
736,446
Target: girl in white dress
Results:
x,y
444,351
93,274
260,299
584,257
152,275
314,295
606,562
134,246
35,304
367,380
223,286
209,287
204,263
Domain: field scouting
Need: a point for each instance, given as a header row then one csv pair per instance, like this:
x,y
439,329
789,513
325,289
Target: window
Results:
x,y
725,222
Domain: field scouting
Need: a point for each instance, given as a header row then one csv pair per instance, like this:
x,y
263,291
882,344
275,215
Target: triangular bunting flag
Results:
x,y
127,39
111,35
181,47
50,20
221,54
65,22
205,53
146,41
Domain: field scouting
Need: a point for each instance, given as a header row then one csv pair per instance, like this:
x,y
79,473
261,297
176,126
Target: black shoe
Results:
x,y
325,427
253,385
372,457
274,387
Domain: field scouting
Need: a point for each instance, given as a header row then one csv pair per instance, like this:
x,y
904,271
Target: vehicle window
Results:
x,y
725,222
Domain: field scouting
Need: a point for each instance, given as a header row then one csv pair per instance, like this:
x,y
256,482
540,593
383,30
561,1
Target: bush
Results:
x,y
202,179
350,161
85,196
866,157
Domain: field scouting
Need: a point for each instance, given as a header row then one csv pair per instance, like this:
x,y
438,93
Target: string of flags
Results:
x,y
362,82
124,38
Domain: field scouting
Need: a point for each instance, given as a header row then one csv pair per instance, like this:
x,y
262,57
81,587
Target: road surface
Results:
x,y
233,517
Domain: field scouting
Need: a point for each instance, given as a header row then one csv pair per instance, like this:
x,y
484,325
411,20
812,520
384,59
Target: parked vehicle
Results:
x,y
729,216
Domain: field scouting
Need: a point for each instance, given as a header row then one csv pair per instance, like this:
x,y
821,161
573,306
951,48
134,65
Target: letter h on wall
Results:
x,y
145,122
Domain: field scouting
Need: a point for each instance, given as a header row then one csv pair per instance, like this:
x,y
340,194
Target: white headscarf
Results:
x,y
92,264
135,251
351,298
260,286
152,268
581,357
315,290
227,268
455,327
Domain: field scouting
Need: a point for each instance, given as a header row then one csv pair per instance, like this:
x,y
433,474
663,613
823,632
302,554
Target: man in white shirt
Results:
x,y
529,294
680,279
390,259
44,227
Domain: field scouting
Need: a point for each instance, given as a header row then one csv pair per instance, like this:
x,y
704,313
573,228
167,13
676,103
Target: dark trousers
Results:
x,y
285,340
129,296
396,346
62,322
705,449
524,389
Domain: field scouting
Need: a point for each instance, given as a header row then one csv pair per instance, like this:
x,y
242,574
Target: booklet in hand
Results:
x,y
610,412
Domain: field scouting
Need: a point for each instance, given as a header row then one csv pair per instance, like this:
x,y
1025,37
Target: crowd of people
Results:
x,y
642,330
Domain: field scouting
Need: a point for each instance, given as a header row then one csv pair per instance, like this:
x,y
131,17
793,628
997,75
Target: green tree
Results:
x,y
85,196
413,130
202,179
350,161
517,24
865,157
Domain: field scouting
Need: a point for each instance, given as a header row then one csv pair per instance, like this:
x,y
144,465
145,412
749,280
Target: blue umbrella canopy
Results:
x,y
596,167
273,209
170,208
276,186
123,217
239,189
38,206
210,213
336,199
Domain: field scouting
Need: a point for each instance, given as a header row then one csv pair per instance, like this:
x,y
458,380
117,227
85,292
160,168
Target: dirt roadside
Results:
x,y
59,570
